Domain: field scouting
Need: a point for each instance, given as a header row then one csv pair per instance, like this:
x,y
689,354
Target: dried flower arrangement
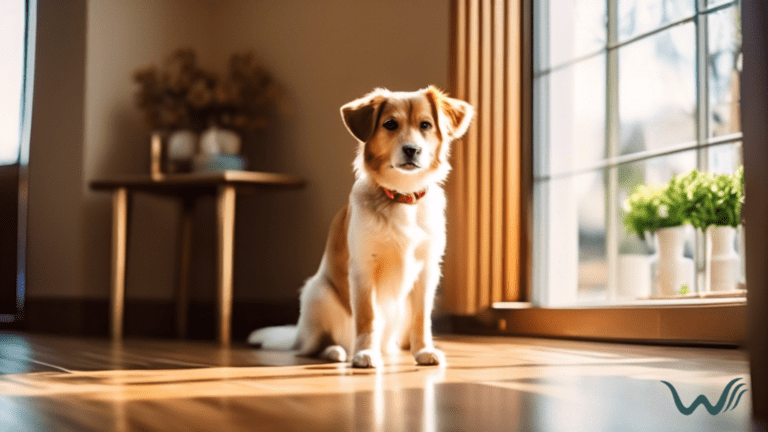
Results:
x,y
181,94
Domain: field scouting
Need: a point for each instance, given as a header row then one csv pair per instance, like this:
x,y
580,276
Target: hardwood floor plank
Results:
x,y
53,383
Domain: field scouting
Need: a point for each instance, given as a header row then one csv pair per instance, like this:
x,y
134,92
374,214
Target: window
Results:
x,y
626,92
17,41
12,35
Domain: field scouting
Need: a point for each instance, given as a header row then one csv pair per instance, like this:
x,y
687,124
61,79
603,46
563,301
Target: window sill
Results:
x,y
719,321
682,300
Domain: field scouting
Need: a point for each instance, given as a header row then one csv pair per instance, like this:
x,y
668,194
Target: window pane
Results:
x,y
593,264
567,29
724,159
641,16
11,74
657,90
724,43
636,256
712,3
570,123
571,263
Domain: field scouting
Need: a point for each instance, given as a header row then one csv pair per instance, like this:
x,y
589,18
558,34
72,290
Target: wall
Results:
x,y
55,235
325,53
124,35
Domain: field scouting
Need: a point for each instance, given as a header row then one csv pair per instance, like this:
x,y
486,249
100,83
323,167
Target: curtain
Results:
x,y
483,257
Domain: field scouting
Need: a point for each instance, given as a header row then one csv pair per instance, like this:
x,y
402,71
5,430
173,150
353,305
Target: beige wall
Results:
x,y
124,35
324,52
54,258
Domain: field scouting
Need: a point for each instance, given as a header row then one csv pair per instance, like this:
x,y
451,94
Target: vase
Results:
x,y
219,151
673,270
180,149
742,253
635,276
723,266
216,140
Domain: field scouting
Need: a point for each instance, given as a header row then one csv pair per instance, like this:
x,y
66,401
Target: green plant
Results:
x,y
701,199
680,196
642,209
653,207
719,198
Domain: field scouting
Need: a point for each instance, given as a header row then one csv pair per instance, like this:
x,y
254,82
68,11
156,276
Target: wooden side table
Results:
x,y
186,187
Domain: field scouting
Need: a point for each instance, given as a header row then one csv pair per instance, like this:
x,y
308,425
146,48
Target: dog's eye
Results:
x,y
390,124
425,125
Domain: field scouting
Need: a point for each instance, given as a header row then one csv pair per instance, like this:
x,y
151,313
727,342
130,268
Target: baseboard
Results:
x,y
150,318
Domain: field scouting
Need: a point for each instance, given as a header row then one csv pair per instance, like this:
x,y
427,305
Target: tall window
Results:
x,y
626,92
12,45
17,41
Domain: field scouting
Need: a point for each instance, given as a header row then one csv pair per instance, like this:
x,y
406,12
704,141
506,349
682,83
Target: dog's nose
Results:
x,y
410,150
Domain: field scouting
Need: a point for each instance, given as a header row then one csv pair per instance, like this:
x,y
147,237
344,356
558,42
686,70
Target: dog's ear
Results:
x,y
360,115
457,112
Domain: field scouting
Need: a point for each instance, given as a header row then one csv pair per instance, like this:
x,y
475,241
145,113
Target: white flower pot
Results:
x,y
673,269
181,145
723,263
742,253
215,141
635,276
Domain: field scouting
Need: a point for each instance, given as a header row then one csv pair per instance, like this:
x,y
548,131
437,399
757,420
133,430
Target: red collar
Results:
x,y
410,198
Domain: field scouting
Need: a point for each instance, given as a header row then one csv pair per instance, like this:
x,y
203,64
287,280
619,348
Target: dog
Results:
x,y
375,288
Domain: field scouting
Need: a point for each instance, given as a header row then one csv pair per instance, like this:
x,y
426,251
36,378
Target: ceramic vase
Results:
x,y
181,148
635,276
673,270
723,266
219,151
215,140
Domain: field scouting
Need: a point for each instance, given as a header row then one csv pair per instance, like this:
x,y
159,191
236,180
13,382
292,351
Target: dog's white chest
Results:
x,y
392,247
403,230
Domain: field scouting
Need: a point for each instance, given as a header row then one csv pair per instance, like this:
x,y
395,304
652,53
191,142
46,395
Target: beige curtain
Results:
x,y
482,262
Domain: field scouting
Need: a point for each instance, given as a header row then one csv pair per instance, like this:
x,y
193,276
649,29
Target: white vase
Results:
x,y
742,253
181,145
674,271
215,141
635,276
723,263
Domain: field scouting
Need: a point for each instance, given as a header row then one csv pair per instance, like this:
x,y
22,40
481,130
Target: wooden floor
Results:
x,y
489,384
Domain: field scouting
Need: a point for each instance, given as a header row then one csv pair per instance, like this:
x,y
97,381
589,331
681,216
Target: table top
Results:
x,y
197,182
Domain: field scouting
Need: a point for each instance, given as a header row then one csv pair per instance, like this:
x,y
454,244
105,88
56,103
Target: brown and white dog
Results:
x,y
376,283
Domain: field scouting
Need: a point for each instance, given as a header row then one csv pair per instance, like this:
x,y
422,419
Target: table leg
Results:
x,y
184,256
225,207
120,203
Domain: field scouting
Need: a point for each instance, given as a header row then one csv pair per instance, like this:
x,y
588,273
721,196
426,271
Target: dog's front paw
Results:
x,y
429,356
334,353
366,359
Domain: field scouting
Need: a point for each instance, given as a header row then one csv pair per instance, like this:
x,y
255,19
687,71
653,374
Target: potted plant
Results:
x,y
641,217
717,211
664,211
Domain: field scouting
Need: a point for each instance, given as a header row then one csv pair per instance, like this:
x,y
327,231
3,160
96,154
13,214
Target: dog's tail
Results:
x,y
276,338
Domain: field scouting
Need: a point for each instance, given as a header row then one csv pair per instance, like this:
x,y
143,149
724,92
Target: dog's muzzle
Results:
x,y
410,157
